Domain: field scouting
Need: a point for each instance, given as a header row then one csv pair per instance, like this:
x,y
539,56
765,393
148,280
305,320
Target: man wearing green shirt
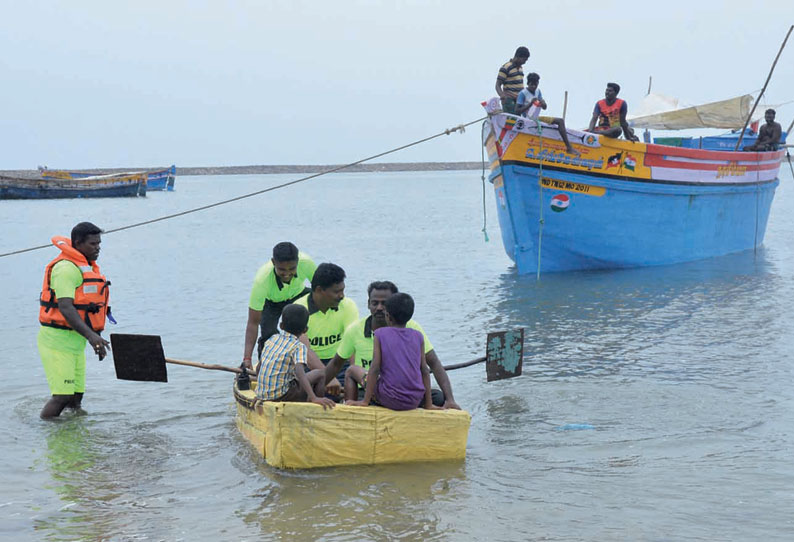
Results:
x,y
330,312
71,281
278,283
357,341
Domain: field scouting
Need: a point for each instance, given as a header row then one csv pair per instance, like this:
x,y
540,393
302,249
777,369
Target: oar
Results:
x,y
141,357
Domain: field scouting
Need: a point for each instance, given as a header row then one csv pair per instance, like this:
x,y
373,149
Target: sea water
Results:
x,y
655,404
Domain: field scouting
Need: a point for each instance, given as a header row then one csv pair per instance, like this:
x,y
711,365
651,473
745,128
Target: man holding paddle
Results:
x,y
73,306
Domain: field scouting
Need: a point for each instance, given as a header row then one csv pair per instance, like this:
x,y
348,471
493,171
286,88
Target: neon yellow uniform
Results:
x,y
62,351
269,287
326,328
358,339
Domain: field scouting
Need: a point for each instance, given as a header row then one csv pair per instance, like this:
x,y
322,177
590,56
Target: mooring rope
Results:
x,y
448,131
540,194
482,156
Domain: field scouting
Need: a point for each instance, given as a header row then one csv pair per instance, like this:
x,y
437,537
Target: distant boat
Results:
x,y
161,179
97,186
620,203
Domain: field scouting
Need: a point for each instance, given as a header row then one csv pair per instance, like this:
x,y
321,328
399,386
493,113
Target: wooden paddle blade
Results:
x,y
504,354
138,357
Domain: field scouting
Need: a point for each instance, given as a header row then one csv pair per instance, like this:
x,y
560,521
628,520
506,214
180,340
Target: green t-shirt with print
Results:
x,y
326,328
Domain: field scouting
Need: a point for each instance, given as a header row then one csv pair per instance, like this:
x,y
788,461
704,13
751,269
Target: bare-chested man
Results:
x,y
768,136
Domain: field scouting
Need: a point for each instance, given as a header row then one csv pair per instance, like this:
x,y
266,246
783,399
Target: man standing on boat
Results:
x,y
768,136
611,115
330,312
510,80
278,283
73,307
357,341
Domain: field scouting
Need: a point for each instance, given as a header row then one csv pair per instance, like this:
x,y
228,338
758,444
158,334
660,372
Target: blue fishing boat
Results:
x,y
161,179
620,203
98,186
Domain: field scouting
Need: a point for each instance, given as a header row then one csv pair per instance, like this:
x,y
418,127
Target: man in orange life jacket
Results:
x,y
73,307
611,115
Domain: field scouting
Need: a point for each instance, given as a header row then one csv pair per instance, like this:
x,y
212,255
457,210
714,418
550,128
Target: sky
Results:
x,y
197,83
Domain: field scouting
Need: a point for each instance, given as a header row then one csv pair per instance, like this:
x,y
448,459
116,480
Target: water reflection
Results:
x,y
386,502
606,323
103,477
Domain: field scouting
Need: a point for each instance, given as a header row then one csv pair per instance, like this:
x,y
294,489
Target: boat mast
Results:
x,y
768,77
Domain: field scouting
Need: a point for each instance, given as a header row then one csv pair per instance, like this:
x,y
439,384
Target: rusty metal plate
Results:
x,y
504,354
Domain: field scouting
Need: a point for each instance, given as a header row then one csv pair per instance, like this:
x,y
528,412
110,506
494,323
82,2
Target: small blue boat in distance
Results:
x,y
162,179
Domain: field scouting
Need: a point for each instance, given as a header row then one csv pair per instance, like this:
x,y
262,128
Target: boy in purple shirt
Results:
x,y
398,377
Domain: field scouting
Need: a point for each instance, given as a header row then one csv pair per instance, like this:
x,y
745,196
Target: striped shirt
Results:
x,y
277,367
512,79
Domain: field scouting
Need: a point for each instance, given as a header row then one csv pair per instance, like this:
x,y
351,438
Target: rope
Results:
x,y
482,156
540,194
460,128
788,155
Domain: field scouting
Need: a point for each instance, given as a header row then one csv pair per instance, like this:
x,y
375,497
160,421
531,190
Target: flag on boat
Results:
x,y
560,202
629,162
614,160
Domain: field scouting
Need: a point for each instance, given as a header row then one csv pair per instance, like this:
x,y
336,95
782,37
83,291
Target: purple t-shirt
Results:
x,y
400,384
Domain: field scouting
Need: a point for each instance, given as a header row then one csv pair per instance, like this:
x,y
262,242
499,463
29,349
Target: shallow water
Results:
x,y
656,404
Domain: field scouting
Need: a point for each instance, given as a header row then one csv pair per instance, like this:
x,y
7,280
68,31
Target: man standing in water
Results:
x,y
768,136
510,80
73,306
278,283
357,340
611,115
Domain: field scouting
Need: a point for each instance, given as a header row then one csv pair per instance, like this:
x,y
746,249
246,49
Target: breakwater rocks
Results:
x,y
277,169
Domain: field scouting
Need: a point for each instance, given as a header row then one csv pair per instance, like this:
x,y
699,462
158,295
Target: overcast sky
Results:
x,y
148,83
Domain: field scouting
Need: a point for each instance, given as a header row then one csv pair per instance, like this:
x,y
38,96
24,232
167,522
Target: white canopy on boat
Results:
x,y
665,113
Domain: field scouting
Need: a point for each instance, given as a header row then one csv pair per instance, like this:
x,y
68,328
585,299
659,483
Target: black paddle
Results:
x,y
141,358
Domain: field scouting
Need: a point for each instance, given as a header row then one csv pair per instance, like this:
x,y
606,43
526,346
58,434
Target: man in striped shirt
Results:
x,y
510,80
282,374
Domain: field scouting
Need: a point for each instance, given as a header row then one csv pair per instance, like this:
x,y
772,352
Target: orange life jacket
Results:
x,y
610,114
90,298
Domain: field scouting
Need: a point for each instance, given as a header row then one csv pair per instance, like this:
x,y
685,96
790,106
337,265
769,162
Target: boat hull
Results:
x,y
304,435
623,204
111,186
162,179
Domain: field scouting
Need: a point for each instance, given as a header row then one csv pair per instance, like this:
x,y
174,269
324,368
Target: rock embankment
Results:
x,y
277,169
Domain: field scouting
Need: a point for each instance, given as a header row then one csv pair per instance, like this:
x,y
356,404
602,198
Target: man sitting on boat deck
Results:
x,y
510,80
357,342
282,372
768,136
611,115
330,312
529,103
278,283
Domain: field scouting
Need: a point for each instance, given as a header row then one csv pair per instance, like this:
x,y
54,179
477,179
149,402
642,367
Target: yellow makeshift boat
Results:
x,y
305,436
